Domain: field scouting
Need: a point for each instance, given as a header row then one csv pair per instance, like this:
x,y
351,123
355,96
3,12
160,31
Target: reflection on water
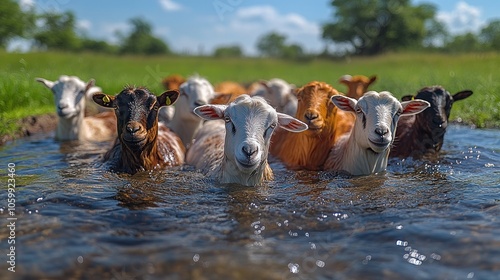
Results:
x,y
419,220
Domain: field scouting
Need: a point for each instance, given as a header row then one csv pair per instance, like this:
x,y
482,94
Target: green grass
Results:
x,y
401,74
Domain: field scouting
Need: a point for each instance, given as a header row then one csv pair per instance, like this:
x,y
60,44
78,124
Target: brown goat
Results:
x,y
173,81
309,149
234,89
357,85
142,143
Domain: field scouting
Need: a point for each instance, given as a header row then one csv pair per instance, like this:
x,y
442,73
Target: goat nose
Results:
x,y
381,131
62,105
311,115
133,127
249,150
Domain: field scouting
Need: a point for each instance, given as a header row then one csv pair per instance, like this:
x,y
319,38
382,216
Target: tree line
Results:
x,y
358,27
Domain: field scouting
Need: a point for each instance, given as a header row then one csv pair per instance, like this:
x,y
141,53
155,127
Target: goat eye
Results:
x,y
227,119
358,110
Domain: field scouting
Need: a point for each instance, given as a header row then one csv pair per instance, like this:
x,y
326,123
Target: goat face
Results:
x,y
314,107
357,85
250,122
195,92
69,93
136,111
280,95
377,115
435,118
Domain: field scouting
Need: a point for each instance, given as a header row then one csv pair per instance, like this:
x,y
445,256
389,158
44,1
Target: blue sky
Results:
x,y
201,25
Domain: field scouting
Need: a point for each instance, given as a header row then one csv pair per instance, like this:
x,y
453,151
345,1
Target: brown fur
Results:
x,y
357,85
173,81
227,87
309,149
138,108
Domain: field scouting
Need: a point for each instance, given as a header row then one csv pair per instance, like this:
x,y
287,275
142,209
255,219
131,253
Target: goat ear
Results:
x,y
210,112
290,123
462,95
407,97
168,97
89,85
372,79
221,98
345,79
414,107
47,83
344,103
103,99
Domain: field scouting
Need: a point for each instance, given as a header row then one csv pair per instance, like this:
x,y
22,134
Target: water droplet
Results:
x,y
307,234
39,199
470,275
196,258
294,268
80,259
320,263
399,227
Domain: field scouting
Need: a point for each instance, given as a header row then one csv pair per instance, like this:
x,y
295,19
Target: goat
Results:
x,y
196,91
365,150
357,85
422,135
234,89
142,143
279,94
69,96
308,150
173,81
170,82
236,150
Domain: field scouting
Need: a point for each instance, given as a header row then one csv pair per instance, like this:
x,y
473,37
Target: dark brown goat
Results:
x,y
142,143
422,135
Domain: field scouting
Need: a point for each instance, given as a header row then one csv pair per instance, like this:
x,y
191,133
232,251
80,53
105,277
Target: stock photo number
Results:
x,y
11,218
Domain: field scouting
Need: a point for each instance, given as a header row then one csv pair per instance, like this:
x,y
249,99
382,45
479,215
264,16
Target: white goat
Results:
x,y
69,96
279,94
196,91
366,148
236,150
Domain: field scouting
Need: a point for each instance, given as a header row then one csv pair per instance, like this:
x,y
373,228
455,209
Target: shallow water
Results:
x,y
419,220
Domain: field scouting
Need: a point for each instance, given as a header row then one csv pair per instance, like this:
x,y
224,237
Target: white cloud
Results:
x,y
246,24
463,18
84,24
169,5
26,4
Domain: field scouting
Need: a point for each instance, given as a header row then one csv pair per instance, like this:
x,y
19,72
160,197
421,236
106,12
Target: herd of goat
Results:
x,y
229,131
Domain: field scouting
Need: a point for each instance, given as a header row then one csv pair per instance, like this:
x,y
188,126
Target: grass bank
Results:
x,y
21,96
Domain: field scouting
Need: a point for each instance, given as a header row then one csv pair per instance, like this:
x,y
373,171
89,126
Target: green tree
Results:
x,y
274,45
490,35
142,41
375,26
13,21
57,32
467,42
271,44
228,51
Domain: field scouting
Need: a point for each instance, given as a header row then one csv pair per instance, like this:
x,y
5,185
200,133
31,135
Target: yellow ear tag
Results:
x,y
106,99
168,101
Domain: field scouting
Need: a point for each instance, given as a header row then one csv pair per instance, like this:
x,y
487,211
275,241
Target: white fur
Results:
x,y
69,96
365,150
196,91
278,94
236,150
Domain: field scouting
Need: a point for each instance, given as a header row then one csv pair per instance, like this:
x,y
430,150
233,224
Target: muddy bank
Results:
x,y
32,125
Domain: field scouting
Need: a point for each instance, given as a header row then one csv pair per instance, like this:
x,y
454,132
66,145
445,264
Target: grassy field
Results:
x,y
21,96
